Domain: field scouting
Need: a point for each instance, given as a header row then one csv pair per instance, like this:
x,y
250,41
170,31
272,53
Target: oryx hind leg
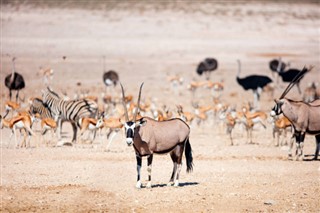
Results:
x,y
317,147
176,156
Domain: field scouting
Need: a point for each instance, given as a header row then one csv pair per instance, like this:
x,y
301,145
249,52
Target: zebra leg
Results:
x,y
149,170
75,129
59,128
139,163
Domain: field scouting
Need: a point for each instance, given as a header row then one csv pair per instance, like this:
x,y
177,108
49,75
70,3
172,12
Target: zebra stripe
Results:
x,y
70,110
37,106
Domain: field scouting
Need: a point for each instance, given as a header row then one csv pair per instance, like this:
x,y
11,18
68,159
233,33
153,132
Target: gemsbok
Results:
x,y
149,137
303,116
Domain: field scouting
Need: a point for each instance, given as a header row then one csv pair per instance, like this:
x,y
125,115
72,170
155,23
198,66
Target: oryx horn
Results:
x,y
124,104
138,104
293,82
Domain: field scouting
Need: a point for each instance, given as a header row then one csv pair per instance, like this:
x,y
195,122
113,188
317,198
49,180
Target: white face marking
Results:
x,y
129,129
272,113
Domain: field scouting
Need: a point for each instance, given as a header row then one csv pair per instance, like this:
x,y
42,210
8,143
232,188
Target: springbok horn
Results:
x,y
124,104
138,104
293,82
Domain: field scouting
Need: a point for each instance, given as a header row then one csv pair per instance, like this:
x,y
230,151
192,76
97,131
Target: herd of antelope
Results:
x,y
151,128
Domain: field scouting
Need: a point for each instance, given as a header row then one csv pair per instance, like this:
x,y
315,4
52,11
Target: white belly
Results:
x,y
19,125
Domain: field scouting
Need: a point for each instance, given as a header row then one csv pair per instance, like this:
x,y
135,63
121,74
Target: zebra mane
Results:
x,y
52,92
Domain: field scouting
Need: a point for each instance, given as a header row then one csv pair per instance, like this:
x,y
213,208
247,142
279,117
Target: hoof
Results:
x,y
138,185
170,184
176,184
149,185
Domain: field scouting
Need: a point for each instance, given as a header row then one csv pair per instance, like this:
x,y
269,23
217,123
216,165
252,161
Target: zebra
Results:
x,y
38,106
71,110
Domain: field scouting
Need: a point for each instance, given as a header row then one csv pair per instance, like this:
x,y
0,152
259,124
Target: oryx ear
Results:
x,y
141,122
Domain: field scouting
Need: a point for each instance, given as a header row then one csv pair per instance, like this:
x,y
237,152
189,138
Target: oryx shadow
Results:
x,y
180,185
310,157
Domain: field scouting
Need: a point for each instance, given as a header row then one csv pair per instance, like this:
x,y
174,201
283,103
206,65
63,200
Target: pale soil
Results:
x,y
144,45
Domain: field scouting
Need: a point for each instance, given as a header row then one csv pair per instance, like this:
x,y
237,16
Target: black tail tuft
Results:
x,y
189,158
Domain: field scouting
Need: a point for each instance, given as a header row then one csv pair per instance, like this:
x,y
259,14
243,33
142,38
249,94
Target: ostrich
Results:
x,y
14,81
254,82
110,78
207,66
277,66
290,74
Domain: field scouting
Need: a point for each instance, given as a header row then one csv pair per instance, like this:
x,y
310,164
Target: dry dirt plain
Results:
x,y
145,43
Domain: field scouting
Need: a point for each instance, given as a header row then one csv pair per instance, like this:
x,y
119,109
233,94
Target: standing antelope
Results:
x,y
11,106
303,116
21,122
149,136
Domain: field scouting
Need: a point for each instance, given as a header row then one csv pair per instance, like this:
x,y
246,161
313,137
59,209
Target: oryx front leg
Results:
x,y
149,170
139,162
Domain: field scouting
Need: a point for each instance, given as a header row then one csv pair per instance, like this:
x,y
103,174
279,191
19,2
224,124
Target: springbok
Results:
x,y
149,137
22,122
303,116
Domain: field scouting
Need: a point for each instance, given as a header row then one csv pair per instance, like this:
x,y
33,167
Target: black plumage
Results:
x,y
274,65
256,83
253,82
289,75
207,66
110,78
14,81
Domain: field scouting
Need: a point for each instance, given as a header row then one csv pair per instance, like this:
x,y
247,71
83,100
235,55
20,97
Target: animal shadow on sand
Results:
x,y
180,185
310,158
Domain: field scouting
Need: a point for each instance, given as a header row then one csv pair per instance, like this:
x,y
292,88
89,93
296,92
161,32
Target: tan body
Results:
x,y
185,116
280,126
114,125
149,136
19,122
90,124
48,124
304,118
11,106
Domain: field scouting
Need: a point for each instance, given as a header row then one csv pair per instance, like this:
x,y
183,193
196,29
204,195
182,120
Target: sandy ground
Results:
x,y
145,44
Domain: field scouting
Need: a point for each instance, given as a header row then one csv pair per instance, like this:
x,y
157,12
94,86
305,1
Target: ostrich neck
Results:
x,y
13,71
279,65
239,69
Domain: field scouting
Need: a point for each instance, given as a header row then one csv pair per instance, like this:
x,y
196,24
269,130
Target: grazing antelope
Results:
x,y
303,116
11,106
149,137
22,122
216,88
46,74
201,112
90,124
114,125
185,116
280,126
230,120
48,124
175,81
311,93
